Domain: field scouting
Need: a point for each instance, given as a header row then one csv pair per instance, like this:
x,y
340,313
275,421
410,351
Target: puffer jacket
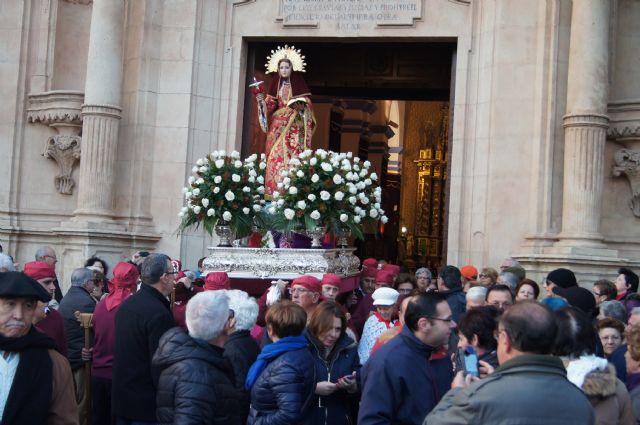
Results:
x,y
608,396
196,384
283,392
334,409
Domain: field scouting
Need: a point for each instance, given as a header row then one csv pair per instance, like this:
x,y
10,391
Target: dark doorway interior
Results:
x,y
352,85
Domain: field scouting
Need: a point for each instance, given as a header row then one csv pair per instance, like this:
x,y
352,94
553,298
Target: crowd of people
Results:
x,y
158,344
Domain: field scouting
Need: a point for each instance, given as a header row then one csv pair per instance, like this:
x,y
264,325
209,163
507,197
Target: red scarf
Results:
x,y
387,323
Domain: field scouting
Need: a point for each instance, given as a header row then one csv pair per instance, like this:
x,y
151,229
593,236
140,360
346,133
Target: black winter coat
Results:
x,y
334,409
457,302
140,322
283,392
196,385
76,299
242,351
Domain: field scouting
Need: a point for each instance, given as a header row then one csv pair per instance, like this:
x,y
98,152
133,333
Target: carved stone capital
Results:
x,y
625,122
62,111
65,150
627,163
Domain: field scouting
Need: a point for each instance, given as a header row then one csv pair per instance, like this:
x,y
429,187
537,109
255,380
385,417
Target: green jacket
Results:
x,y
529,389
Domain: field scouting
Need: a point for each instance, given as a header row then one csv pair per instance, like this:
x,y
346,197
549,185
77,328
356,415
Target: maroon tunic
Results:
x,y
53,326
104,327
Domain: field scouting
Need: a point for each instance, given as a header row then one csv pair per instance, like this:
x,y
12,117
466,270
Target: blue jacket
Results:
x,y
400,384
334,409
457,302
283,392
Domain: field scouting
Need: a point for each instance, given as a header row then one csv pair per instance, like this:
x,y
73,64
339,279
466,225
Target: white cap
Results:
x,y
385,296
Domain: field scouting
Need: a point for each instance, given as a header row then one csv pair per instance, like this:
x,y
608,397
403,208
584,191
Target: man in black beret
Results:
x,y
41,385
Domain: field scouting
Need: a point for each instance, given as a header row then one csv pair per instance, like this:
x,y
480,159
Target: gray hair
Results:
x,y
244,307
153,267
615,309
207,314
44,251
80,276
477,293
512,261
424,270
510,279
6,262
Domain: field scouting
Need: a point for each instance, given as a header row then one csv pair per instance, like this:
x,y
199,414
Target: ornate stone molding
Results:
x,y
281,263
62,111
65,150
625,121
627,162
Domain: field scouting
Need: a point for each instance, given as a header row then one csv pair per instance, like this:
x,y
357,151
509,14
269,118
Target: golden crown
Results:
x,y
286,52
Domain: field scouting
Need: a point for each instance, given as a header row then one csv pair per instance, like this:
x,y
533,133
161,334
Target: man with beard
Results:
x,y
37,387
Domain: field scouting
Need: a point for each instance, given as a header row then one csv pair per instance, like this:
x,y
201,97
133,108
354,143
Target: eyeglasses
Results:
x,y
482,275
298,289
448,320
52,257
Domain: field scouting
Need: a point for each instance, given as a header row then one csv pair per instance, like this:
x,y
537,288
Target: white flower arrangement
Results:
x,y
224,188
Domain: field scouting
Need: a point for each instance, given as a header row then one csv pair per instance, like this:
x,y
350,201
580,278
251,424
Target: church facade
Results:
x,y
107,104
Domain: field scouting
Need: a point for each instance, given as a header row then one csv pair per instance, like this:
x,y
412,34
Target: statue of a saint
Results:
x,y
285,113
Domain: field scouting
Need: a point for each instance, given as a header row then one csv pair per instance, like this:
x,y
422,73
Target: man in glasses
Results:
x,y
405,378
305,291
530,386
140,322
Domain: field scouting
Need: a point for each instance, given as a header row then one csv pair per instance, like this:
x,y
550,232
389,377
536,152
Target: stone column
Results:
x,y
101,112
585,124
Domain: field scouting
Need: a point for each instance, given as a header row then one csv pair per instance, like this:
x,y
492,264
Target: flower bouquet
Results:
x,y
224,191
327,189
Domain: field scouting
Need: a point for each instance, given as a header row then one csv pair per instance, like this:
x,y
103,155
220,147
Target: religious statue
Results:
x,y
285,113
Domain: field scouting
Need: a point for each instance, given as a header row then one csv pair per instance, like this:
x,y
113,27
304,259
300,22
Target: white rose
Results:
x,y
205,202
246,210
352,200
280,202
363,173
253,173
294,162
235,154
325,196
195,169
251,179
353,190
260,180
260,189
364,200
197,209
185,209
200,162
367,182
366,164
191,179
311,197
187,195
271,209
279,185
315,214
256,207
230,196
344,218
263,165
326,167
315,178
200,181
180,214
204,169
226,216
238,164
301,205
373,213
211,212
360,185
216,189
373,176
376,205
219,163
362,213
196,192
246,189
235,178
217,179
286,181
337,179
349,154
300,173
293,190
275,195
357,210
339,196
356,219
313,161
384,219
289,213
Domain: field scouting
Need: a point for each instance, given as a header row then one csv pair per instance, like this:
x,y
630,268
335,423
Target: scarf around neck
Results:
x,y
30,393
270,352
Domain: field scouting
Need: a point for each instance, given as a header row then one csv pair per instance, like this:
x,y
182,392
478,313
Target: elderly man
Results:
x,y
6,264
330,286
140,322
526,336
85,291
53,323
305,291
476,297
509,262
37,387
403,380
48,255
